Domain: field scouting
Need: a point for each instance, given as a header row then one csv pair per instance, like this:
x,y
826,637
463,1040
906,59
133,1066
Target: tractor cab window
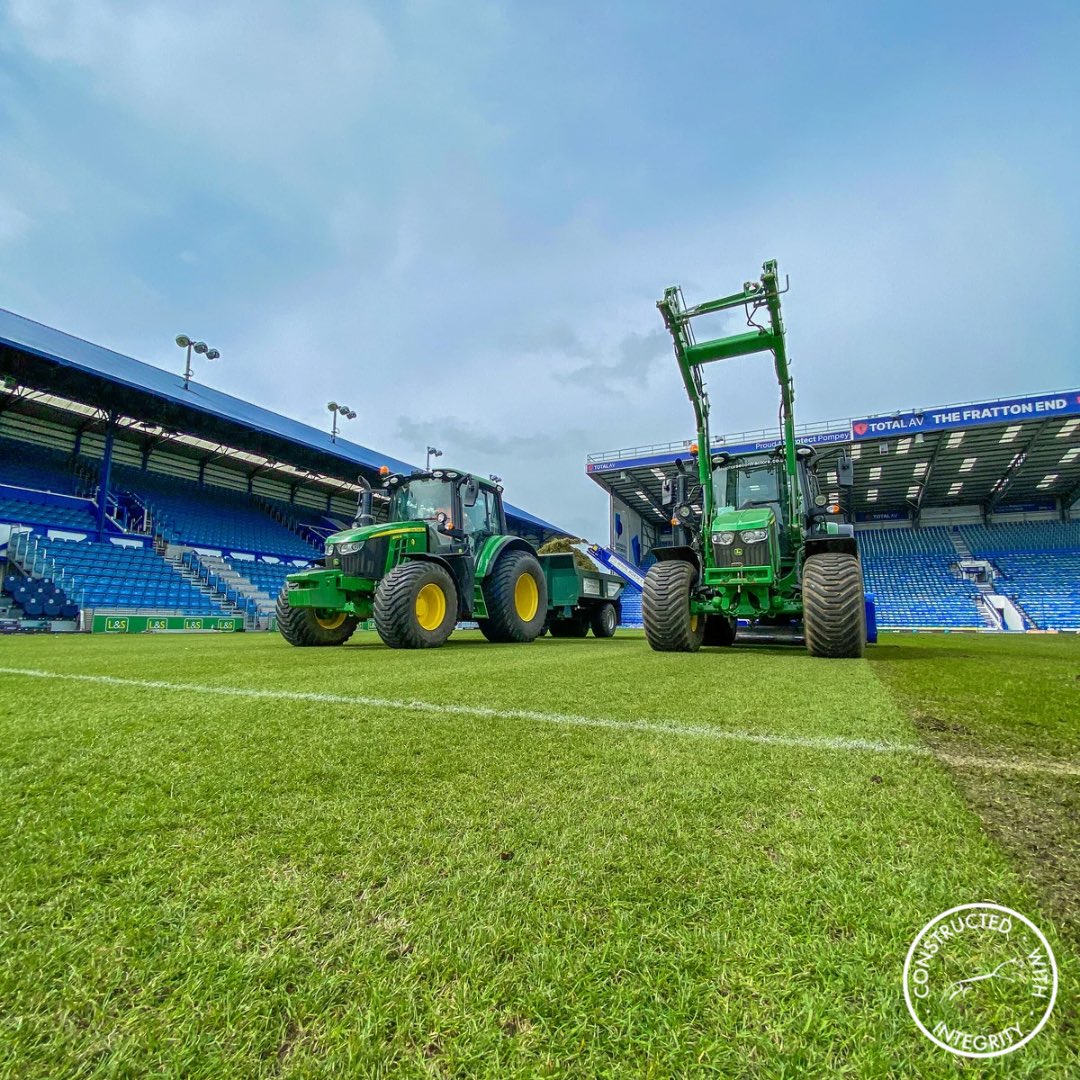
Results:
x,y
740,487
422,500
481,520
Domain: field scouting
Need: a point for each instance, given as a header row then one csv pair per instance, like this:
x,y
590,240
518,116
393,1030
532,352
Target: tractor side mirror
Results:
x,y
667,492
845,472
470,492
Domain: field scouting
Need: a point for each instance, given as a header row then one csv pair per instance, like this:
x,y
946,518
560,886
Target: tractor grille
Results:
x,y
738,554
369,561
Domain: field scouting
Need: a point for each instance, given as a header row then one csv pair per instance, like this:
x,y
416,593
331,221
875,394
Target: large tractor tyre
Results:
x,y
516,596
665,608
719,630
834,611
577,626
416,606
311,626
604,620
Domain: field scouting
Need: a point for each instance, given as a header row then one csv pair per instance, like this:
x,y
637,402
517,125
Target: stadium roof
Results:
x,y
1016,453
51,361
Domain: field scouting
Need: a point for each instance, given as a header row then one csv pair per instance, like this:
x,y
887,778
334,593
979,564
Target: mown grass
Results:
x,y
202,886
1016,699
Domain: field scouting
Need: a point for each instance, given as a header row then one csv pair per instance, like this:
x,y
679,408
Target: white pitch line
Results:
x,y
564,719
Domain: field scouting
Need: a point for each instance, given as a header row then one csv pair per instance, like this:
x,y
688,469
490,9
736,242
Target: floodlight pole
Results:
x,y
200,347
431,452
338,410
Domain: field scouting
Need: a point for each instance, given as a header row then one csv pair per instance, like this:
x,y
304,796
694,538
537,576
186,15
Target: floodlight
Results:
x,y
332,406
200,346
212,354
183,340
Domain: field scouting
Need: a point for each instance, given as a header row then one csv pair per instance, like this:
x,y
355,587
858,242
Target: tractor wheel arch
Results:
x,y
493,550
678,554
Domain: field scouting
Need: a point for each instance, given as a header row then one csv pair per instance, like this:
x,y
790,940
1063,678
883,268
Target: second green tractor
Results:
x,y
768,546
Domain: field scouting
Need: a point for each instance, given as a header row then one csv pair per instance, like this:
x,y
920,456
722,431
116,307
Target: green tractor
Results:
x,y
443,556
768,546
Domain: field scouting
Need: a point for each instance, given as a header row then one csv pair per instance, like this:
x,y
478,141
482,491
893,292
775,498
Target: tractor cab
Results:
x,y
461,510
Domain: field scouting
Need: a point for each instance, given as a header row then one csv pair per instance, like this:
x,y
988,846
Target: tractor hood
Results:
x,y
757,517
362,533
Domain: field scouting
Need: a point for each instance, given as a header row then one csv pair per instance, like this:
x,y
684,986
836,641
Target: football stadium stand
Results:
x,y
125,491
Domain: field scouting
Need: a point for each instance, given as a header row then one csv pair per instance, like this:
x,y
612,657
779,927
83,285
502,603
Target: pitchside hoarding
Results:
x,y
964,416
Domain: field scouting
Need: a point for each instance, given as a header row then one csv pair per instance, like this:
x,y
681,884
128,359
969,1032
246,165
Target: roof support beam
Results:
x,y
942,438
1014,469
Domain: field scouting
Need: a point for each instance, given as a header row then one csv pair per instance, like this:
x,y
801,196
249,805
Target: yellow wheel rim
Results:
x,y
331,620
526,597
693,624
430,606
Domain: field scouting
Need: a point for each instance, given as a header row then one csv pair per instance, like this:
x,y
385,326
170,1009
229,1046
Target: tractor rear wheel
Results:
x,y
834,611
516,596
604,620
665,608
719,630
416,606
310,626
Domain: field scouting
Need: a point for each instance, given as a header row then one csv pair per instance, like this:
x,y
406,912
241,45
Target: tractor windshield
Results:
x,y
737,487
422,500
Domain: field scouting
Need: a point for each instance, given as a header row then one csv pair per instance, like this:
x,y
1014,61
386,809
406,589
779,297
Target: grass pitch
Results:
x,y
572,858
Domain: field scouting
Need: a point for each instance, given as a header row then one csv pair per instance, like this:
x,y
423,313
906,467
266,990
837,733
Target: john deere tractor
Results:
x,y
444,555
768,547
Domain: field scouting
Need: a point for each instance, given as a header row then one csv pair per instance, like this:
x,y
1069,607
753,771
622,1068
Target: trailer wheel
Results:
x,y
309,626
516,596
416,606
665,608
834,611
577,626
719,630
604,620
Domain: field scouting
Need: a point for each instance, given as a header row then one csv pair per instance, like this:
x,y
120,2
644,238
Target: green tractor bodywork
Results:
x,y
767,547
444,556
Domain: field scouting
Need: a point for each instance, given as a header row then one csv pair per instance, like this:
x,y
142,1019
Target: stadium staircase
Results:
x,y
230,600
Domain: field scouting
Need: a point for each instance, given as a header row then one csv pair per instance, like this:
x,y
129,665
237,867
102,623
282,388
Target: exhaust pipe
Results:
x,y
364,516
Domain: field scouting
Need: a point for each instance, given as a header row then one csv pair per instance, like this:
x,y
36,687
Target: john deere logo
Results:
x,y
736,551
980,980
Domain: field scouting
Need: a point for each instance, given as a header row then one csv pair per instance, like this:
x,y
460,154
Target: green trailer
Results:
x,y
580,600
443,557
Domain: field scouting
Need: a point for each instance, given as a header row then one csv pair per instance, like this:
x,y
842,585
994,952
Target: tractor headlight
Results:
x,y
754,536
329,550
350,548
723,538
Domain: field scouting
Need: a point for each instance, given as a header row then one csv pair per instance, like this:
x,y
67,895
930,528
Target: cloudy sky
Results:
x,y
457,216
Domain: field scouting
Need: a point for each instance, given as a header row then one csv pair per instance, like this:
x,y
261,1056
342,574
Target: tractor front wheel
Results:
x,y
834,611
305,626
516,596
665,608
416,606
